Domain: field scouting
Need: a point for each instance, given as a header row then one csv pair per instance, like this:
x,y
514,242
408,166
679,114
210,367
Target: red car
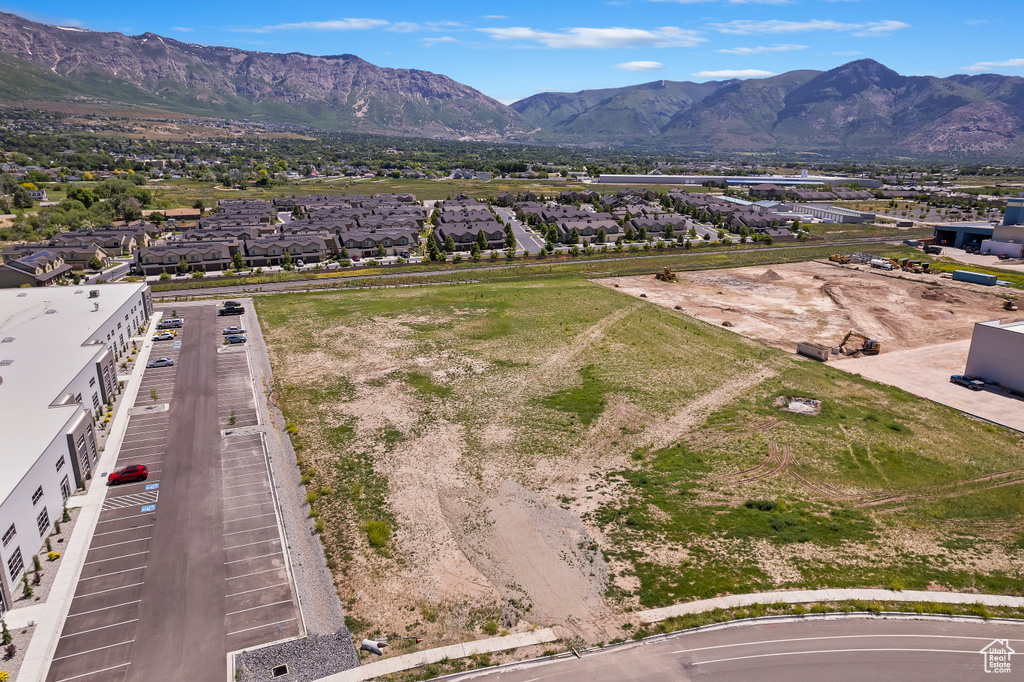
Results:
x,y
135,472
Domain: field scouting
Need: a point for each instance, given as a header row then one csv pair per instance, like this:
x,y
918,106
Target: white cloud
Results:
x,y
846,53
598,38
764,49
641,66
183,29
984,66
430,42
748,27
495,16
332,25
734,73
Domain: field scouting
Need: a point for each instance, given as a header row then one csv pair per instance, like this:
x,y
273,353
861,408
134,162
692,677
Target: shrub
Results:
x,y
311,497
761,505
378,533
318,527
53,556
490,627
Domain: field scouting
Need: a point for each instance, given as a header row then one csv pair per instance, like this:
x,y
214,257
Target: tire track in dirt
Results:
x,y
949,490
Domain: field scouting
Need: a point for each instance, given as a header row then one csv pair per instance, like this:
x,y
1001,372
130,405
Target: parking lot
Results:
x,y
188,564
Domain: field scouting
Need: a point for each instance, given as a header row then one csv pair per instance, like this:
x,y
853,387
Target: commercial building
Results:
x,y
58,352
832,214
959,235
1006,239
997,354
737,180
1014,214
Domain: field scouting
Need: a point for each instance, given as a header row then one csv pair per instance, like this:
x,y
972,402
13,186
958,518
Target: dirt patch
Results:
x,y
820,303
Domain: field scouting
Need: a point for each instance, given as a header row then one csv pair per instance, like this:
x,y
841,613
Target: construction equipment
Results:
x,y
1009,305
839,258
666,275
868,346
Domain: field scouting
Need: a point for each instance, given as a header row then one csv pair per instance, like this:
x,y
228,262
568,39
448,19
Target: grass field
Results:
x,y
453,437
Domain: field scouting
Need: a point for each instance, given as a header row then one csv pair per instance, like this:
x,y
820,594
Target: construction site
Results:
x,y
891,321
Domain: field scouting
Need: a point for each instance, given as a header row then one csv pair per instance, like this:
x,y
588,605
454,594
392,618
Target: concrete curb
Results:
x,y
51,618
428,656
801,596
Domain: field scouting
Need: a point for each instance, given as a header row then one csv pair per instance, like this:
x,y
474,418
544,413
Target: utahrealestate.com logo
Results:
x,y
997,656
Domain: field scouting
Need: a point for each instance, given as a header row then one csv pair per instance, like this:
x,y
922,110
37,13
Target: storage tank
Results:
x,y
879,263
974,277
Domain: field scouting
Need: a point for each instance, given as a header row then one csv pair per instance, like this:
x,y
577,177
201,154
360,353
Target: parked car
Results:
x,y
234,310
300,262
355,259
161,362
232,304
970,382
235,338
164,336
129,474
233,330
404,254
170,323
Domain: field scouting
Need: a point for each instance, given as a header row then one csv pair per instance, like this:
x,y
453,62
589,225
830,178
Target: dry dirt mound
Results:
x,y
770,276
536,554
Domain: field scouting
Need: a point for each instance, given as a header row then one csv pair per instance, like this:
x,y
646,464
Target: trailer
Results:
x,y
974,277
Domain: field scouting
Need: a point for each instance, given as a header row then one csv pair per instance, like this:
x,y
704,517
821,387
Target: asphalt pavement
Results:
x,y
839,650
526,239
187,565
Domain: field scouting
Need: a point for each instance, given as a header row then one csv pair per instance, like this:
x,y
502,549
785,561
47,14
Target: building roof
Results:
x,y
1016,327
48,351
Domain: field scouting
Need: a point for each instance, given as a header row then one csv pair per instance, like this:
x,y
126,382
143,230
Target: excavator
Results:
x,y
868,346
1010,305
839,258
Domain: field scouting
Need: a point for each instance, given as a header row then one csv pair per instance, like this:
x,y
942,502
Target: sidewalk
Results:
x,y
803,596
50,618
414,660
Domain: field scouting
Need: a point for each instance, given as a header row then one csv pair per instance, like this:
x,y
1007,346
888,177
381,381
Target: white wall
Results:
x,y
995,248
997,355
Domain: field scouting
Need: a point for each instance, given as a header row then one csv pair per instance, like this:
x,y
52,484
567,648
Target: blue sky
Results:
x,y
511,50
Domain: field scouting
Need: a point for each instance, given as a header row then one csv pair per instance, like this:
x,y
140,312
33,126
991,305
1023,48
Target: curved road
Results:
x,y
837,650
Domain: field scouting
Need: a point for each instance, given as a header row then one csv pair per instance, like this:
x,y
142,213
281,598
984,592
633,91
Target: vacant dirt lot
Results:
x,y
784,304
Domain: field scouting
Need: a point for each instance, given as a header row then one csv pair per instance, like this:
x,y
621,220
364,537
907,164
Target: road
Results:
x,y
852,649
232,290
525,239
189,564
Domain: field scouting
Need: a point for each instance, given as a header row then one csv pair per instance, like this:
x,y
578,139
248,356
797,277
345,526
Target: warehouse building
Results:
x,y
58,352
997,354
737,180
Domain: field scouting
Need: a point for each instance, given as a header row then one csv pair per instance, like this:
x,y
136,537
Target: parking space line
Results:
x,y
125,530
102,627
100,561
82,653
286,601
243,466
261,556
251,530
255,473
246,518
244,485
126,542
127,570
105,608
245,575
246,506
248,544
112,589
94,672
258,589
257,627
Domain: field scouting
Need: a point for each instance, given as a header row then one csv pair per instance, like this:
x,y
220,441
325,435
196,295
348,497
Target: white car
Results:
x,y
233,330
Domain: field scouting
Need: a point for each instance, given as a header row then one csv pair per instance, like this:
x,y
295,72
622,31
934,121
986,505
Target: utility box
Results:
x,y
813,350
974,277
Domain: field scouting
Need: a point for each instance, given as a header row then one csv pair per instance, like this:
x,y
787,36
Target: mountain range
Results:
x,y
859,110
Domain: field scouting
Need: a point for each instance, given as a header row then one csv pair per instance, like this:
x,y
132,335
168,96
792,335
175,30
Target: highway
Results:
x,y
324,284
839,650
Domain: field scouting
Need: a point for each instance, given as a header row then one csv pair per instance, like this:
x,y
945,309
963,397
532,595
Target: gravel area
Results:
x,y
41,592
322,611
11,666
310,658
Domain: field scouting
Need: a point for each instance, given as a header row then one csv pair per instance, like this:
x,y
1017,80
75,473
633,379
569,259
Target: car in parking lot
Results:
x,y
235,338
233,330
129,474
232,304
170,323
164,336
161,362
233,310
970,382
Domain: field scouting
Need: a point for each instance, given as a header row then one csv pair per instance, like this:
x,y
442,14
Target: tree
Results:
x,y
156,218
86,196
198,203
381,251
182,267
449,244
510,239
642,234
474,253
601,235
481,240
286,261
670,232
630,235
238,261
95,263
129,208
343,253
21,198
573,238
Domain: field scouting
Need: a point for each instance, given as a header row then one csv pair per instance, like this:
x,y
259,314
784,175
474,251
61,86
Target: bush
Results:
x,y
53,556
378,533
490,627
318,527
311,497
164,276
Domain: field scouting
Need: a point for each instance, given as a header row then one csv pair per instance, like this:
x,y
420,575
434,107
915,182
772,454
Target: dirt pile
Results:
x,y
770,276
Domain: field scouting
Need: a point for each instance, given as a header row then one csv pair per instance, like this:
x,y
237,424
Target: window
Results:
x,y
118,325
37,495
60,463
43,522
9,535
78,398
95,400
65,489
15,565
92,382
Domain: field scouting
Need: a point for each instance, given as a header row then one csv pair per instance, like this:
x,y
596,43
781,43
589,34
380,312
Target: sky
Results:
x,y
511,50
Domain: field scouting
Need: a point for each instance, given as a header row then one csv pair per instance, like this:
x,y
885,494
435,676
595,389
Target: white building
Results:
x,y
58,352
1008,239
997,354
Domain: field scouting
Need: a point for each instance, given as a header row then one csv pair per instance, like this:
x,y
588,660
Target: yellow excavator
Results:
x,y
1010,305
839,258
868,346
